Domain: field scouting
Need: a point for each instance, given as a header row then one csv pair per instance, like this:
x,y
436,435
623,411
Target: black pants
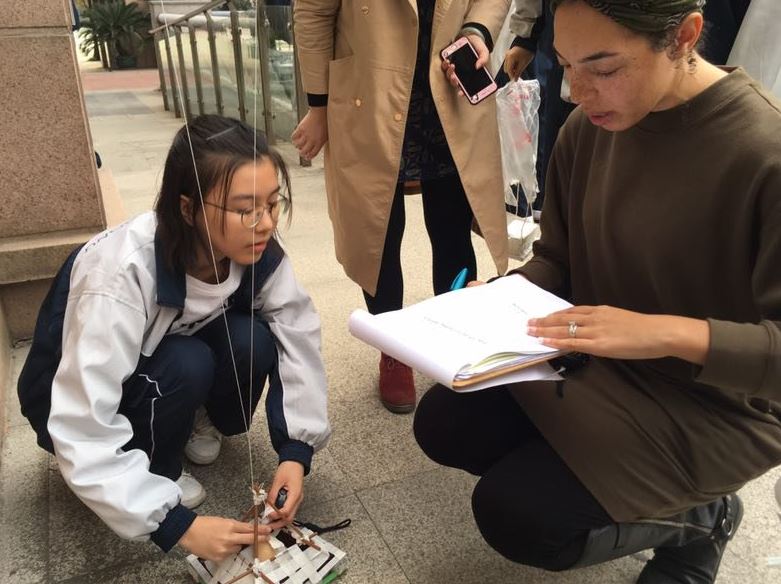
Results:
x,y
186,372
448,219
528,504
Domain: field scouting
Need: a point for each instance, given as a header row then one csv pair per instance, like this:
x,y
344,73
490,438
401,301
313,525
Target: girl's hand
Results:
x,y
215,538
312,132
290,475
516,60
606,331
483,55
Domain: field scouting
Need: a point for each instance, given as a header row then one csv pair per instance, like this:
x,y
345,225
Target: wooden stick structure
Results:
x,y
292,554
273,560
301,537
250,572
262,549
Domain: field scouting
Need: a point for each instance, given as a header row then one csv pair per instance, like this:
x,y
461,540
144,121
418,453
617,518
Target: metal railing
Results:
x,y
238,63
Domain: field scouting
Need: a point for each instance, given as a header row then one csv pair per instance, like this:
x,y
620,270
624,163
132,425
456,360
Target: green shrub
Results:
x,y
122,27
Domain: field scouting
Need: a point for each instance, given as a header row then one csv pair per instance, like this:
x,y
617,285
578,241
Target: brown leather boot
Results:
x,y
397,387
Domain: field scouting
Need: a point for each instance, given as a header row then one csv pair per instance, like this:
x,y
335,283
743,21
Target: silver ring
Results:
x,y
573,329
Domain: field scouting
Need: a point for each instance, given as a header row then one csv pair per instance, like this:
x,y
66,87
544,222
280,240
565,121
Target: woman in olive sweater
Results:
x,y
662,224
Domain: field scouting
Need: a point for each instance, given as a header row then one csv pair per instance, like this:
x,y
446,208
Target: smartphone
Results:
x,y
477,84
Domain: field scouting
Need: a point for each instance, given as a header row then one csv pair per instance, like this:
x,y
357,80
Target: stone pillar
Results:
x,y
50,195
49,189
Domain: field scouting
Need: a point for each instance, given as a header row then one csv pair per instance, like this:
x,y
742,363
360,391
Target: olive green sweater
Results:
x,y
681,215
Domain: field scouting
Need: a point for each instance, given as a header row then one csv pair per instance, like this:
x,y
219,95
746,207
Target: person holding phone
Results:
x,y
384,110
662,226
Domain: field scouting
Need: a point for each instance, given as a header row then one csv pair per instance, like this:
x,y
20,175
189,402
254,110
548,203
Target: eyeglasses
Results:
x,y
251,217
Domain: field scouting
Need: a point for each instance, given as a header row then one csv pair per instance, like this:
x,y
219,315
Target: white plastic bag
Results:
x,y
517,104
756,47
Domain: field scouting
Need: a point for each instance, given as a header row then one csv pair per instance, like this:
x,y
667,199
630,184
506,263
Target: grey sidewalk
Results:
x,y
411,518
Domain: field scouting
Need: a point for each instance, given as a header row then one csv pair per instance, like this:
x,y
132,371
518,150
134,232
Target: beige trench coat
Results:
x,y
362,54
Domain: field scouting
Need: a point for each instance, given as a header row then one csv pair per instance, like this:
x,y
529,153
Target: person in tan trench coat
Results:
x,y
377,95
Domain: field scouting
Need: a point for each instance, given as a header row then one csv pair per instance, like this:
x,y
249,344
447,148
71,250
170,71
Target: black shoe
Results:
x,y
695,562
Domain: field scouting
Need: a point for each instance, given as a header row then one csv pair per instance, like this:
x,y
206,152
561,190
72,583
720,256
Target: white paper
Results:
x,y
441,335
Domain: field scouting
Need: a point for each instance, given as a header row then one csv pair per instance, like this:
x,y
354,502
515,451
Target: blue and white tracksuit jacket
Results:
x,y
112,302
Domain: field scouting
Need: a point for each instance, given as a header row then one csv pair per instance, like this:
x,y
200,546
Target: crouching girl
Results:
x,y
157,338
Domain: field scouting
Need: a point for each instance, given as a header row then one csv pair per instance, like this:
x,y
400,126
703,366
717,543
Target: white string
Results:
x,y
178,82
254,205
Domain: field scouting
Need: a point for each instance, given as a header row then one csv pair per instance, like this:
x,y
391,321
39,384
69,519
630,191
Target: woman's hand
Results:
x,y
312,132
516,60
215,538
606,331
290,475
483,55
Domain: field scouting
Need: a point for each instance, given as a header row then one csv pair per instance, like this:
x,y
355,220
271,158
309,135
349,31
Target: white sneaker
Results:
x,y
205,442
193,493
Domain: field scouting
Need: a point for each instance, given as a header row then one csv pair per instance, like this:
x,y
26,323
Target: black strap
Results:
x,y
320,530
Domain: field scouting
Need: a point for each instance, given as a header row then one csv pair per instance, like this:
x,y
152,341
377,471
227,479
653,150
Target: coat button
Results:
x,y
398,117
365,9
358,103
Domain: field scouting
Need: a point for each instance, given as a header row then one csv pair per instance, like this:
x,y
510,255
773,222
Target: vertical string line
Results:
x,y
254,210
178,80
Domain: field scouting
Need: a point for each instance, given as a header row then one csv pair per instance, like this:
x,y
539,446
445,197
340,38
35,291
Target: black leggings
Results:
x,y
448,219
528,505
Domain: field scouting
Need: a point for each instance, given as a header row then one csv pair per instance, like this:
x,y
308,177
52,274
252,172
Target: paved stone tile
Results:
x,y
169,569
374,450
24,508
12,408
107,103
80,543
369,559
95,79
737,570
759,536
427,522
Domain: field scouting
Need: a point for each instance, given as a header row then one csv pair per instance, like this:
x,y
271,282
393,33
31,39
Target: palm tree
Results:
x,y
117,26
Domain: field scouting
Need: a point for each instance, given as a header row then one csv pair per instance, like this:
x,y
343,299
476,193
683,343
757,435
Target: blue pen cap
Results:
x,y
460,280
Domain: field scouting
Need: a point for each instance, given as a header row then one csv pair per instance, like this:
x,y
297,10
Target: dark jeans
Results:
x,y
186,372
448,219
528,505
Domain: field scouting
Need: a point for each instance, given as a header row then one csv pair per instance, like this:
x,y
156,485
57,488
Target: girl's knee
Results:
x,y
192,366
256,339
264,346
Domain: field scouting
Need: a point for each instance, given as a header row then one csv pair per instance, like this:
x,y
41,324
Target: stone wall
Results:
x,y
49,188
50,192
